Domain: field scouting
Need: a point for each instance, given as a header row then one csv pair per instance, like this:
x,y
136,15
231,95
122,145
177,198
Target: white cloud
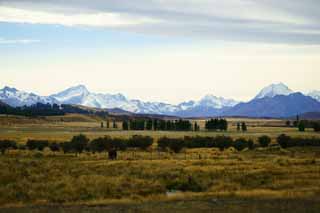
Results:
x,y
101,19
18,41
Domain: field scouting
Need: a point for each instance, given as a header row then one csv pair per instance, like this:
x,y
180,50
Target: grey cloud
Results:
x,y
207,19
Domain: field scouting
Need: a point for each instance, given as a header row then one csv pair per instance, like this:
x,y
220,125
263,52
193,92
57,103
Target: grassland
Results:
x,y
264,179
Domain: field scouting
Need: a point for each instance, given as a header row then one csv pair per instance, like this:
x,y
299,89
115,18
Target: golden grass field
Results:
x,y
264,179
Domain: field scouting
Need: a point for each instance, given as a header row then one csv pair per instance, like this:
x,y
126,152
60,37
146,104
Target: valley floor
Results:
x,y
197,180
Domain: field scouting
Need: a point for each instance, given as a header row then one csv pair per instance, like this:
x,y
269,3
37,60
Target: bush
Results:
x,y
174,144
7,144
223,142
240,144
139,141
98,145
37,144
66,147
54,147
79,143
198,142
264,141
284,140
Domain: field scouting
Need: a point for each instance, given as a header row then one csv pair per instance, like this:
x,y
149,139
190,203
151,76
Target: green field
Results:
x,y
264,179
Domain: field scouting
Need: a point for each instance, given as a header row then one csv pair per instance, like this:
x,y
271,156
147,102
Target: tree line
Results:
x,y
80,143
303,124
159,125
40,109
173,125
216,124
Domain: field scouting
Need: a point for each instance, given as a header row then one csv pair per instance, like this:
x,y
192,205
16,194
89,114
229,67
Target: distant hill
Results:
x,y
279,106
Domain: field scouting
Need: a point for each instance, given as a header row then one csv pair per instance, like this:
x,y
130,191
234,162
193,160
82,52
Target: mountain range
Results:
x,y
275,100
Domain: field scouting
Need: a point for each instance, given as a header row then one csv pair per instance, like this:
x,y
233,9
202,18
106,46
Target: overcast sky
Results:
x,y
160,50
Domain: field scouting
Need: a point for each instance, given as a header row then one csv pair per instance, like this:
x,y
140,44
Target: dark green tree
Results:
x,y
141,142
149,124
264,141
79,143
301,126
98,145
196,127
288,123
125,125
238,127
284,140
114,124
244,127
240,144
66,147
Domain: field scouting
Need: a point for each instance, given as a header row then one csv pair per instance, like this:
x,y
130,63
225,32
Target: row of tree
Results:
x,y
217,124
286,141
81,143
161,125
34,110
40,109
173,125
221,142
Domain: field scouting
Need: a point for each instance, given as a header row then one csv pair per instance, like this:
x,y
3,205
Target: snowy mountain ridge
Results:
x,y
209,105
80,95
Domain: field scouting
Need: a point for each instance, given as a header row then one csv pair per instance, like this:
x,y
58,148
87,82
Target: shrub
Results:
x,y
7,144
79,143
198,142
66,147
139,141
264,141
37,144
284,140
174,144
223,142
118,144
98,145
54,147
240,144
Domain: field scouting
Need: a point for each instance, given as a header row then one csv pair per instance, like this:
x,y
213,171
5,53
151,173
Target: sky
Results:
x,y
160,50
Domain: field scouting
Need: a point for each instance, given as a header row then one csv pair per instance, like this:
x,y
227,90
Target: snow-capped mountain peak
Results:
x,y
274,90
72,95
